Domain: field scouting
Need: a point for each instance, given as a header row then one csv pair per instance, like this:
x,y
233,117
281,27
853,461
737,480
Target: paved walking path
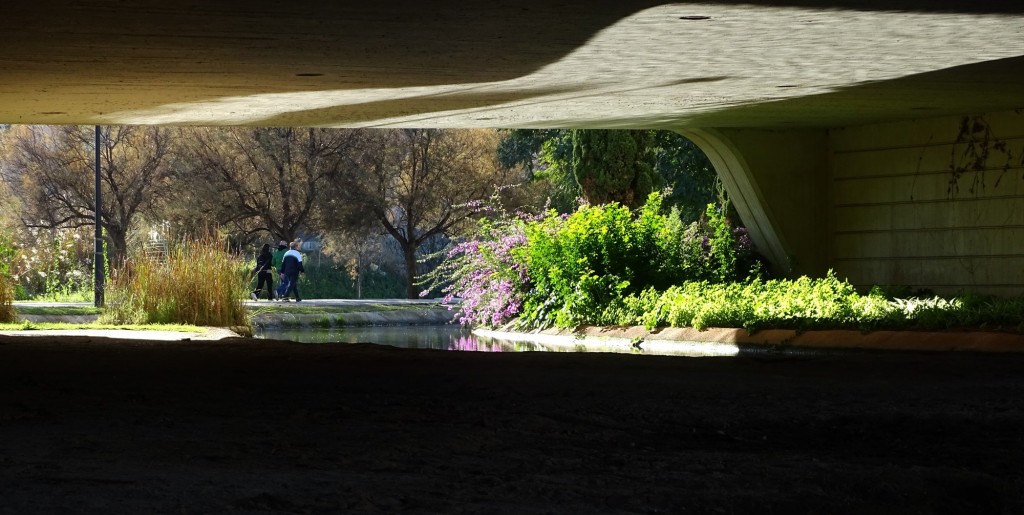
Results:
x,y
210,333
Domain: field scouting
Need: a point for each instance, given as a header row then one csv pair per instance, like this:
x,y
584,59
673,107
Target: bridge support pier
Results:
x,y
778,183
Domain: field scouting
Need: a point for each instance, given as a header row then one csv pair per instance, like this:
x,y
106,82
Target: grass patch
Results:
x,y
65,296
291,323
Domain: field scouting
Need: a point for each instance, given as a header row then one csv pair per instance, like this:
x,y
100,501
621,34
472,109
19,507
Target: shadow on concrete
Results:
x,y
391,43
988,86
426,105
975,88
430,105
80,59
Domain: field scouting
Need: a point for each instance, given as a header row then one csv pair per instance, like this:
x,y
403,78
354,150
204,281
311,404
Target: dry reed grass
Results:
x,y
196,282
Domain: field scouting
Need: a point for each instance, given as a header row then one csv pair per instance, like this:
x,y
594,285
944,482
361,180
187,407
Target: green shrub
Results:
x,y
801,304
330,281
579,263
603,265
584,266
7,313
53,265
565,270
7,283
805,303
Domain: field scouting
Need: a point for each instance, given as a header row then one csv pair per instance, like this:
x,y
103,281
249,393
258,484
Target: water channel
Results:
x,y
443,337
458,338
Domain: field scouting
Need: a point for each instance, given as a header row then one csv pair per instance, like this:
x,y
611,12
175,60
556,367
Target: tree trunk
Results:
x,y
409,252
117,246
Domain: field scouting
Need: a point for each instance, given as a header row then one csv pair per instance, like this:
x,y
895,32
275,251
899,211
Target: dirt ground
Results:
x,y
89,425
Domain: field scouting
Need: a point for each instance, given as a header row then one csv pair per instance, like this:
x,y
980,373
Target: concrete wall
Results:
x,y
896,218
878,203
778,184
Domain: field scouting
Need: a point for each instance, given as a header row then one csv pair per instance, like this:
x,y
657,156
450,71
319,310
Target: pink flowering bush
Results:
x,y
488,276
567,270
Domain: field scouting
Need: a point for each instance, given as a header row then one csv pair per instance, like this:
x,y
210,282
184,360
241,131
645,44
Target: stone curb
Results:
x,y
436,316
367,318
59,319
723,341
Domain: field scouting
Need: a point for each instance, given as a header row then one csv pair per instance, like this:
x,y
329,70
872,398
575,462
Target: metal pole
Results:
x,y
98,267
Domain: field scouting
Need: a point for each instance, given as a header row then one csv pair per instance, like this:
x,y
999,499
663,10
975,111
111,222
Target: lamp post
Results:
x,y
98,267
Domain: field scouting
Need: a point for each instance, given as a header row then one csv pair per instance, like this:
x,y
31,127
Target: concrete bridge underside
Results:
x,y
835,125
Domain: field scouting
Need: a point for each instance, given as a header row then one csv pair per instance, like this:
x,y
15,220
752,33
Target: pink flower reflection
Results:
x,y
469,343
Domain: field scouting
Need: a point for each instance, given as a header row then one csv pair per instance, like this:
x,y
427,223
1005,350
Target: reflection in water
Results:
x,y
443,337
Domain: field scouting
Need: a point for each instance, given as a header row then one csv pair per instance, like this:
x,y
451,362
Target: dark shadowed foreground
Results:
x,y
246,426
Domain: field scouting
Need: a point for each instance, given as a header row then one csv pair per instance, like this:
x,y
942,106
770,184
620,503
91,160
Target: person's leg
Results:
x,y
282,290
270,286
293,287
264,280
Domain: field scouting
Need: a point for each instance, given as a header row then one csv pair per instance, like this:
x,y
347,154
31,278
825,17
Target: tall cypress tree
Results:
x,y
613,165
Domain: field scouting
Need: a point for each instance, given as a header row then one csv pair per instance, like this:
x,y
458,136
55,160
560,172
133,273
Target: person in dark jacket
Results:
x,y
291,267
264,273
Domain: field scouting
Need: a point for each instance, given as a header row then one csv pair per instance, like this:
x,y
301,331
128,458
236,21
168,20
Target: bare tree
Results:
x,y
416,183
358,249
51,169
263,179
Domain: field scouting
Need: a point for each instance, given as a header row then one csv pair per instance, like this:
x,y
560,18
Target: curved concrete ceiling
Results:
x,y
533,63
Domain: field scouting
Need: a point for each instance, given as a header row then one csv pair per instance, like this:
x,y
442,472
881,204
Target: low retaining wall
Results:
x,y
59,319
720,341
367,318
437,316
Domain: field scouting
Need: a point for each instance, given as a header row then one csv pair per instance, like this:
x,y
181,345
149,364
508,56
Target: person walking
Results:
x,y
278,257
264,273
291,266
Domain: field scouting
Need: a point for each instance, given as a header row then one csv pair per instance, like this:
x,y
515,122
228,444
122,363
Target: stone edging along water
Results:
x,y
59,319
432,315
727,342
713,341
405,317
358,318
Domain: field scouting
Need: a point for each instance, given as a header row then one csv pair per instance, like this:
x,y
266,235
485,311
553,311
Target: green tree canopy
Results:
x,y
687,171
613,166
548,156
